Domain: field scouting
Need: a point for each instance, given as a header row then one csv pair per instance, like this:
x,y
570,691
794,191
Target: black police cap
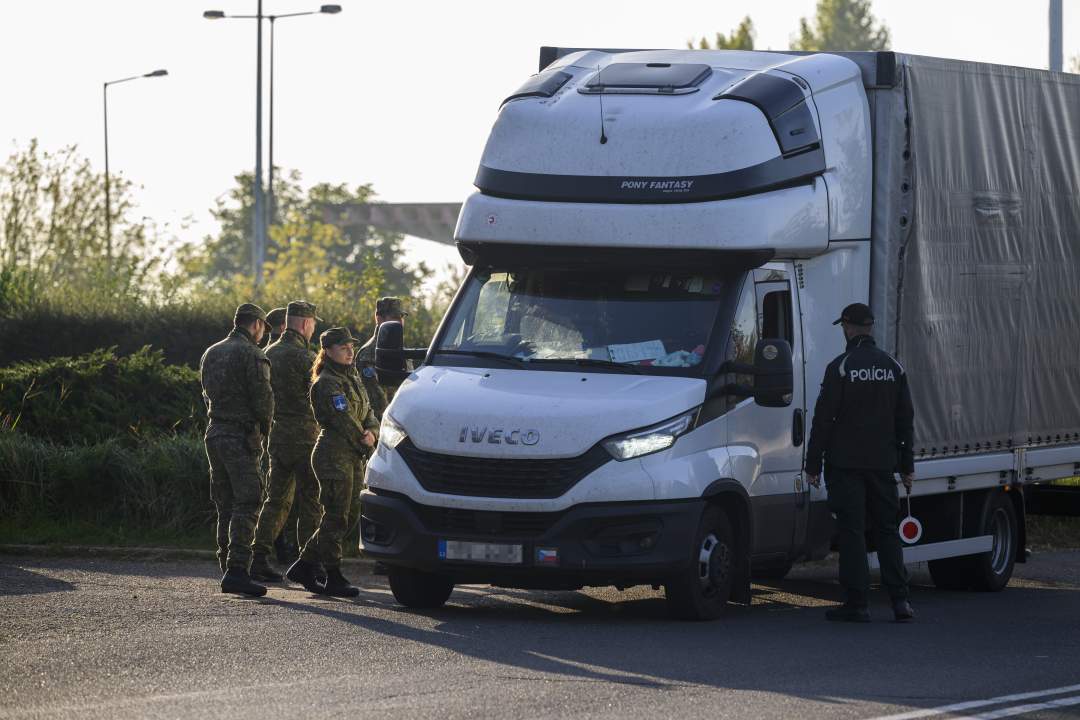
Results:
x,y
856,314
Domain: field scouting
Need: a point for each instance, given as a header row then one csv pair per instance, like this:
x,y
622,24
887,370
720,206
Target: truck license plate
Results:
x,y
480,552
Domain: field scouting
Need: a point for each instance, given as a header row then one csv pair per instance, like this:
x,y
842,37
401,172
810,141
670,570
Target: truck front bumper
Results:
x,y
595,544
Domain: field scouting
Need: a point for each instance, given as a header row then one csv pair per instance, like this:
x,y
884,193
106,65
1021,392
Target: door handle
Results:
x,y
798,432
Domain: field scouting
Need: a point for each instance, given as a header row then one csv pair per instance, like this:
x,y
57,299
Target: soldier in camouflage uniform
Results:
x,y
276,320
292,438
387,308
235,376
348,435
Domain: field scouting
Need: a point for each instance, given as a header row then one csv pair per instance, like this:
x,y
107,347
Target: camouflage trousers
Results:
x,y
236,489
291,482
340,470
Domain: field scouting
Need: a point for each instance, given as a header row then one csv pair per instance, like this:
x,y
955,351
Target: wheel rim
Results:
x,y
1001,550
713,565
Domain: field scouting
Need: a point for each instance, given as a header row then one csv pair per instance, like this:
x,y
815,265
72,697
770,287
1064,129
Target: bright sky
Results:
x,y
399,94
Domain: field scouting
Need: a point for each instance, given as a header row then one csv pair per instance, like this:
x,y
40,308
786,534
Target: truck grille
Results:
x,y
499,477
456,521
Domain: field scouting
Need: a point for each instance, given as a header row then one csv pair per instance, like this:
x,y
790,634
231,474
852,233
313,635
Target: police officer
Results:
x,y
862,431
235,377
348,432
292,438
276,319
386,309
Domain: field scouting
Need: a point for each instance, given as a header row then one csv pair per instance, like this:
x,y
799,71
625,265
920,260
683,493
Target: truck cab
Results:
x,y
620,392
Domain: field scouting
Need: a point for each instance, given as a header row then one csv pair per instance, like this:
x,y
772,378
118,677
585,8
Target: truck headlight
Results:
x,y
652,439
390,433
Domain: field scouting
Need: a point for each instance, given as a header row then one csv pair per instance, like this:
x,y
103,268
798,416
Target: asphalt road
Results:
x,y
108,638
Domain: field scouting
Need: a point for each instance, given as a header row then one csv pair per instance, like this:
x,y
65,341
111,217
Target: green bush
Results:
x,y
101,396
181,331
160,484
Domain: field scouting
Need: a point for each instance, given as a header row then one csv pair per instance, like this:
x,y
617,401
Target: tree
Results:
x,y
842,25
741,38
52,227
304,222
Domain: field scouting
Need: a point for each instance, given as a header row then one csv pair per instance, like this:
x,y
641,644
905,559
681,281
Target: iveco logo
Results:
x,y
499,436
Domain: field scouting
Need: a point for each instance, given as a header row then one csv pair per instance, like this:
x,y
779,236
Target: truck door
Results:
x,y
778,494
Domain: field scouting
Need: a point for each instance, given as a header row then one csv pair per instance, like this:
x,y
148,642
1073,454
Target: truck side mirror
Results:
x,y
774,375
390,366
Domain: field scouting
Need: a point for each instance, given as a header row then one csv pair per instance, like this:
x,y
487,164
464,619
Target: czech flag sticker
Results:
x,y
547,556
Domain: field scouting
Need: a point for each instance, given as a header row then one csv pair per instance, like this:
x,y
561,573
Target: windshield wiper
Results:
x,y
593,362
508,359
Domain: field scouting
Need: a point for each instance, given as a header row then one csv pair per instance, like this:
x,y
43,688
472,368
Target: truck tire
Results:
x,y
702,591
417,589
989,571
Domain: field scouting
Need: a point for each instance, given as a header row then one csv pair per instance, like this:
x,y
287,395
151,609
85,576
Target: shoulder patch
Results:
x,y
368,372
340,403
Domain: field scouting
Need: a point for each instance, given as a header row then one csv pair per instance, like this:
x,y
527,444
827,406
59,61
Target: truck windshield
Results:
x,y
643,322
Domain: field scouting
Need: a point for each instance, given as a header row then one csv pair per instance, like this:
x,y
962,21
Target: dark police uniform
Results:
x,y
862,432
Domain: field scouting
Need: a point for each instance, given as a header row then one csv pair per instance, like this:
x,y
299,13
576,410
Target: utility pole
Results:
x,y
259,219
1055,35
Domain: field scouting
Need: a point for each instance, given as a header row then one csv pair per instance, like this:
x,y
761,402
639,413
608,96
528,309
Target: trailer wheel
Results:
x,y
702,591
989,571
417,589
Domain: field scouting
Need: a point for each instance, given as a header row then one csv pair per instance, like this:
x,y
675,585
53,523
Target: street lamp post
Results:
x,y
260,219
105,106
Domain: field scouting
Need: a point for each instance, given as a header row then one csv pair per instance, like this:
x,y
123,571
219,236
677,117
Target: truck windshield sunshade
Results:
x,y
659,78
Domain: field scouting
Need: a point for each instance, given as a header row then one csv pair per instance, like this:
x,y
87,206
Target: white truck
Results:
x,y
621,390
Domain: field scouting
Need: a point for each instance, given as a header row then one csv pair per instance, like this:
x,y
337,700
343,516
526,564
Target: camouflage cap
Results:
x,y
336,336
248,310
389,306
275,317
302,309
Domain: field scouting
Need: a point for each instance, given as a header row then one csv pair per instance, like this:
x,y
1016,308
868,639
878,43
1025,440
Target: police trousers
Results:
x,y
291,481
236,489
855,496
339,469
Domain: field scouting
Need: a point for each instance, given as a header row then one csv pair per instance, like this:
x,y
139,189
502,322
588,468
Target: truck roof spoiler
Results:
x,y
878,67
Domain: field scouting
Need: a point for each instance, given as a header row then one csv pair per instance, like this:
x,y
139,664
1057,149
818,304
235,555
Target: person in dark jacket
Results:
x,y
862,434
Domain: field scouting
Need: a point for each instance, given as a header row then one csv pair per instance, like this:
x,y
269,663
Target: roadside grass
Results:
x,y
48,531
1049,532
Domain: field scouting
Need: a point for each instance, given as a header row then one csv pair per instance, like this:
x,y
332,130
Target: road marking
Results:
x,y
960,707
1023,709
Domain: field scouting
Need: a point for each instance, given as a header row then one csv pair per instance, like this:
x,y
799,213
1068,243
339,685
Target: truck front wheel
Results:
x,y
417,589
702,591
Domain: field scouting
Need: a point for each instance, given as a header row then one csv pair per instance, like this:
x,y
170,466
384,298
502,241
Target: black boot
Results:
x,y
848,612
303,572
237,580
338,586
262,570
902,610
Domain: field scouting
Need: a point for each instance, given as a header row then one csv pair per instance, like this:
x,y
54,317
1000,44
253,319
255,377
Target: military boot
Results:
x,y
338,585
303,572
237,580
262,570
